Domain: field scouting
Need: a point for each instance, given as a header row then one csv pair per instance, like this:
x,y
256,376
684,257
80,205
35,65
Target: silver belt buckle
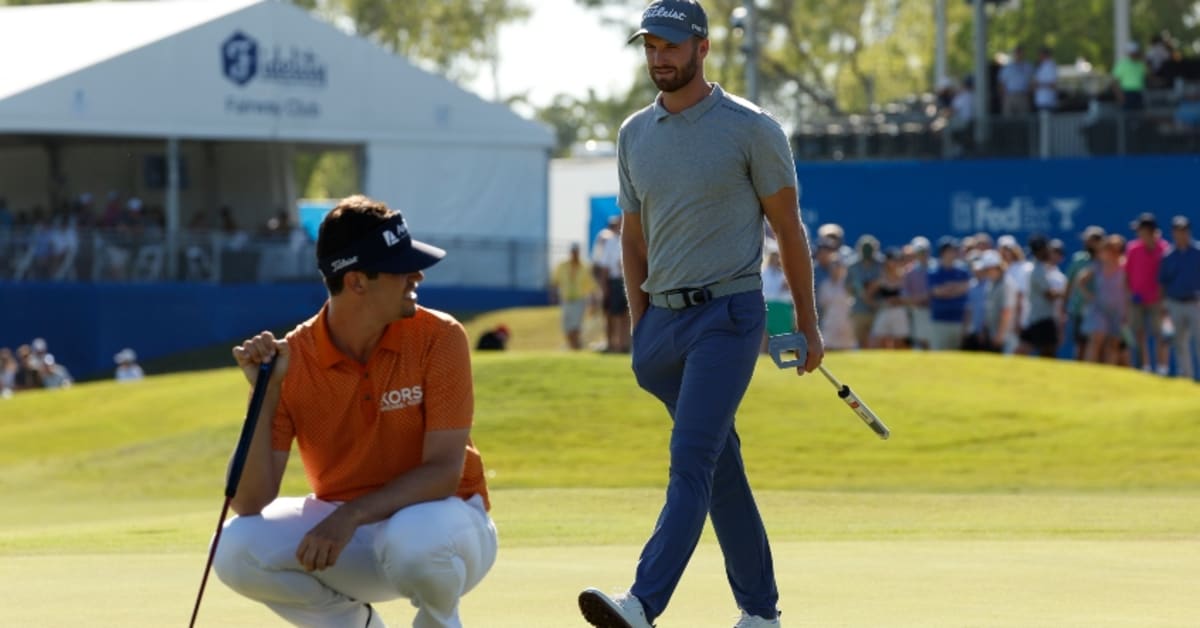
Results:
x,y
683,298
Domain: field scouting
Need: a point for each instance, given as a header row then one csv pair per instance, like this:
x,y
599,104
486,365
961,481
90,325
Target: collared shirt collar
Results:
x,y
328,353
693,113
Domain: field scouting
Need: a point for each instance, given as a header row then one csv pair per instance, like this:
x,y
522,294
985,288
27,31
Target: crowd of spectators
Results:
x,y
1020,86
32,367
56,244
1132,302
48,240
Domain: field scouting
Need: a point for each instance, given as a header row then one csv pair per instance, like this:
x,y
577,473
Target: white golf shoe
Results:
x,y
623,610
754,621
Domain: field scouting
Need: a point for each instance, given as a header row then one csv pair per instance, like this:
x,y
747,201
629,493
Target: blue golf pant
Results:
x,y
698,362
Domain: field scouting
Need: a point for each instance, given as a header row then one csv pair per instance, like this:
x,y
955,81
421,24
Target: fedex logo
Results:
x,y
1021,214
401,398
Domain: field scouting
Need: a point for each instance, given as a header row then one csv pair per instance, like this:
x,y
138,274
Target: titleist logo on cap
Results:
x,y
339,264
659,11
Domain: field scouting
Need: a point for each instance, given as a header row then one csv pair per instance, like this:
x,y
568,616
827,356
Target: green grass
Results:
x,y
960,423
1013,492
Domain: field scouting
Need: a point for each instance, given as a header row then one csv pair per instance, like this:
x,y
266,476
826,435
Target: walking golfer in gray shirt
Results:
x,y
699,171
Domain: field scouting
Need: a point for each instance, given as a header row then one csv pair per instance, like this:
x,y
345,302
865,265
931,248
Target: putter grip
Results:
x,y
243,445
863,412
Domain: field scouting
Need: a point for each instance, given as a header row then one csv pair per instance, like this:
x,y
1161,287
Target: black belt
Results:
x,y
683,298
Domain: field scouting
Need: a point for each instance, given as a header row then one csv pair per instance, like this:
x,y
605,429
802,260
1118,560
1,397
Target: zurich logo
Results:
x,y
239,58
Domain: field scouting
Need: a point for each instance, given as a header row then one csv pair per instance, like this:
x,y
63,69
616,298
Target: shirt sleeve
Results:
x,y
771,165
449,394
628,198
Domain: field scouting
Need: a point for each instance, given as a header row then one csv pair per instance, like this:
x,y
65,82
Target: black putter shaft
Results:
x,y
235,469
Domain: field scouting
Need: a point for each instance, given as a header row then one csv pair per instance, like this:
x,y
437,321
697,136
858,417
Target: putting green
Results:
x,y
842,583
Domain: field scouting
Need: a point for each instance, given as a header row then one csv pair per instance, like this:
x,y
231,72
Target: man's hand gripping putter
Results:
x,y
797,345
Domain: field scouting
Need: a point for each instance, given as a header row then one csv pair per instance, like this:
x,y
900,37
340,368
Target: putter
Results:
x,y
235,469
796,344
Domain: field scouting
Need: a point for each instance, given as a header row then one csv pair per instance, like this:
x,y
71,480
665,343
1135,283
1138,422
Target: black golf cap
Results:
x,y
1145,219
388,249
673,20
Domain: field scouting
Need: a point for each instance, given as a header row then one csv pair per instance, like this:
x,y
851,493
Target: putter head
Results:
x,y
795,344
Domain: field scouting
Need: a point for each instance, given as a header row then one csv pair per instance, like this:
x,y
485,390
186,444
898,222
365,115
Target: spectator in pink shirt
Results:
x,y
1143,257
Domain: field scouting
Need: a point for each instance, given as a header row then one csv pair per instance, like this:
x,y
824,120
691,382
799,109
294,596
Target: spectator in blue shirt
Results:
x,y
948,286
1179,275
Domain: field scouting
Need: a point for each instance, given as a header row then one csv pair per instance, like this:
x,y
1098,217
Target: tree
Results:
x,y
451,37
591,118
1080,29
820,57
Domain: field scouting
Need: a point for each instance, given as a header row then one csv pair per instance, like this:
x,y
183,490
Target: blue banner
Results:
x,y
895,201
602,209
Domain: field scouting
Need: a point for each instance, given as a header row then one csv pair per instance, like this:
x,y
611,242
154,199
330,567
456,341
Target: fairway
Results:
x,y
843,560
864,584
1013,492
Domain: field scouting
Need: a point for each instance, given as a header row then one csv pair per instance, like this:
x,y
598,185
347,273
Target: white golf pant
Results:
x,y
430,553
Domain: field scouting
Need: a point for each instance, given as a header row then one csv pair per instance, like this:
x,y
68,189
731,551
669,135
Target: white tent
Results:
x,y
220,93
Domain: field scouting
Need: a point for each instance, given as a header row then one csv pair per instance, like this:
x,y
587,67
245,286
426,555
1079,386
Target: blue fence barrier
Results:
x,y
86,324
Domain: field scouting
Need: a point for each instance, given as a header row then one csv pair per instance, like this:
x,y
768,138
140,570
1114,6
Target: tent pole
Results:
x,y
940,73
172,208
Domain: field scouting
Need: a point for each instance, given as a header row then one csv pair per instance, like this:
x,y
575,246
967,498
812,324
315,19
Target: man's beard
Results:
x,y
681,77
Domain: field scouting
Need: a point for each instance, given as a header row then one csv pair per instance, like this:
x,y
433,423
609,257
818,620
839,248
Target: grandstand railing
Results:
x,y
64,253
1161,130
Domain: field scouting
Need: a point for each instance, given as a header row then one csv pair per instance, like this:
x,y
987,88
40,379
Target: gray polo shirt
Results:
x,y
695,177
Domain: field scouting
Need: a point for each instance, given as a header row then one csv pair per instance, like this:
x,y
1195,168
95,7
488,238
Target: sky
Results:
x,y
562,48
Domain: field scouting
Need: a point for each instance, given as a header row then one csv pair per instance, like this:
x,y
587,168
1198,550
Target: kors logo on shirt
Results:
x,y
401,398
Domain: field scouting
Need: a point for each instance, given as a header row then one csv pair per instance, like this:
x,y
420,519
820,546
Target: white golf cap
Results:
x,y
988,259
920,243
830,229
1007,241
125,355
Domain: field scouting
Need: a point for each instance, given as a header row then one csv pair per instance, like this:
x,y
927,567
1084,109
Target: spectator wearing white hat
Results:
x,y
996,315
916,293
834,301
38,351
127,366
1016,283
862,278
834,233
55,375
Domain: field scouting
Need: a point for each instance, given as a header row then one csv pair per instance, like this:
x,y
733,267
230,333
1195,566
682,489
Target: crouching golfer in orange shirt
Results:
x,y
376,392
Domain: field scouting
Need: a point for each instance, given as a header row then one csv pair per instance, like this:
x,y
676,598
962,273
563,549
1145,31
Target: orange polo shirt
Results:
x,y
360,426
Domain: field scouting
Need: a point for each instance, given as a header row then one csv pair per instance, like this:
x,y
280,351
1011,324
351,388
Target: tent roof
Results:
x,y
228,69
